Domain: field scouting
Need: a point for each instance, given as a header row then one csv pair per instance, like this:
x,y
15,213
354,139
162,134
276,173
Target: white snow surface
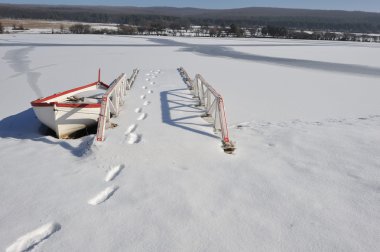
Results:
x,y
305,117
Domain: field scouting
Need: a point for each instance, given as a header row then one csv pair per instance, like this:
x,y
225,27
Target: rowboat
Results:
x,y
72,110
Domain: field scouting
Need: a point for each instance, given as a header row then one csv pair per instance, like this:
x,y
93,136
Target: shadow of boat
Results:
x,y
26,126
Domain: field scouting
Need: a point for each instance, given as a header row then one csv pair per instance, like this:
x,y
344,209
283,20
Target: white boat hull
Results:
x,y
65,113
66,121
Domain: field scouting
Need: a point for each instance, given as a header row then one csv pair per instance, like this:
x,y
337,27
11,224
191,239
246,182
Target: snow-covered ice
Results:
x,y
305,116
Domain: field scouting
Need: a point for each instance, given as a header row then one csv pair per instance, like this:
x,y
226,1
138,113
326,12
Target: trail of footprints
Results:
x,y
110,190
131,136
30,240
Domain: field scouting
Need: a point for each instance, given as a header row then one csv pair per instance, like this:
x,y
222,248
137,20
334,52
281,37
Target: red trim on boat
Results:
x,y
104,85
63,93
67,105
80,105
38,104
42,102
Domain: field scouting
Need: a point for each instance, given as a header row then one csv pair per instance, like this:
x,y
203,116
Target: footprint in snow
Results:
x,y
113,173
146,103
142,117
138,110
131,129
150,91
144,87
133,138
152,83
143,97
33,238
103,195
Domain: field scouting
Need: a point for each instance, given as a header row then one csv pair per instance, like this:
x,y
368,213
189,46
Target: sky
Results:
x,y
362,5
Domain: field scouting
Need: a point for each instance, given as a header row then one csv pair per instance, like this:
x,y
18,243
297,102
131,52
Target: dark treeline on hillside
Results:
x,y
343,21
232,30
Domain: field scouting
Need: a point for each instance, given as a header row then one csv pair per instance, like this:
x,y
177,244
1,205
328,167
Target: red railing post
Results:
x,y
203,91
114,94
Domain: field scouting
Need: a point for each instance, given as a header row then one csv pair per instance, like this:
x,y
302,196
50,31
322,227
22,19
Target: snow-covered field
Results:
x,y
305,116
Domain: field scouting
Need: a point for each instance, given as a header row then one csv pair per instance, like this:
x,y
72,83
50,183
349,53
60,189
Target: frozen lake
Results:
x,y
305,116
273,79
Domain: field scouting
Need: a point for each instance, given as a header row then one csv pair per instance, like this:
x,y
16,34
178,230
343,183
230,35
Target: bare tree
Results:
x,y
80,29
126,29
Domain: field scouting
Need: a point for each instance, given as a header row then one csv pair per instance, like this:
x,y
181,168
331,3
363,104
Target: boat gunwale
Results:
x,y
42,102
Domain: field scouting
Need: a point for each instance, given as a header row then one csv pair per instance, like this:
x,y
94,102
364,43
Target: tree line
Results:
x,y
232,30
167,17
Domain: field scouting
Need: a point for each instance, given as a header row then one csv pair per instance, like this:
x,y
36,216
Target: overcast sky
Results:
x,y
363,5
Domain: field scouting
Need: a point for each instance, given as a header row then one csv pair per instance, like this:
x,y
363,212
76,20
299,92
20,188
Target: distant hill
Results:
x,y
347,21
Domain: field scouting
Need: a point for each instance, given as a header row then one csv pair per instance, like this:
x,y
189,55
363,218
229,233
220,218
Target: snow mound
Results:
x,y
103,195
31,239
143,116
111,174
133,138
131,129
